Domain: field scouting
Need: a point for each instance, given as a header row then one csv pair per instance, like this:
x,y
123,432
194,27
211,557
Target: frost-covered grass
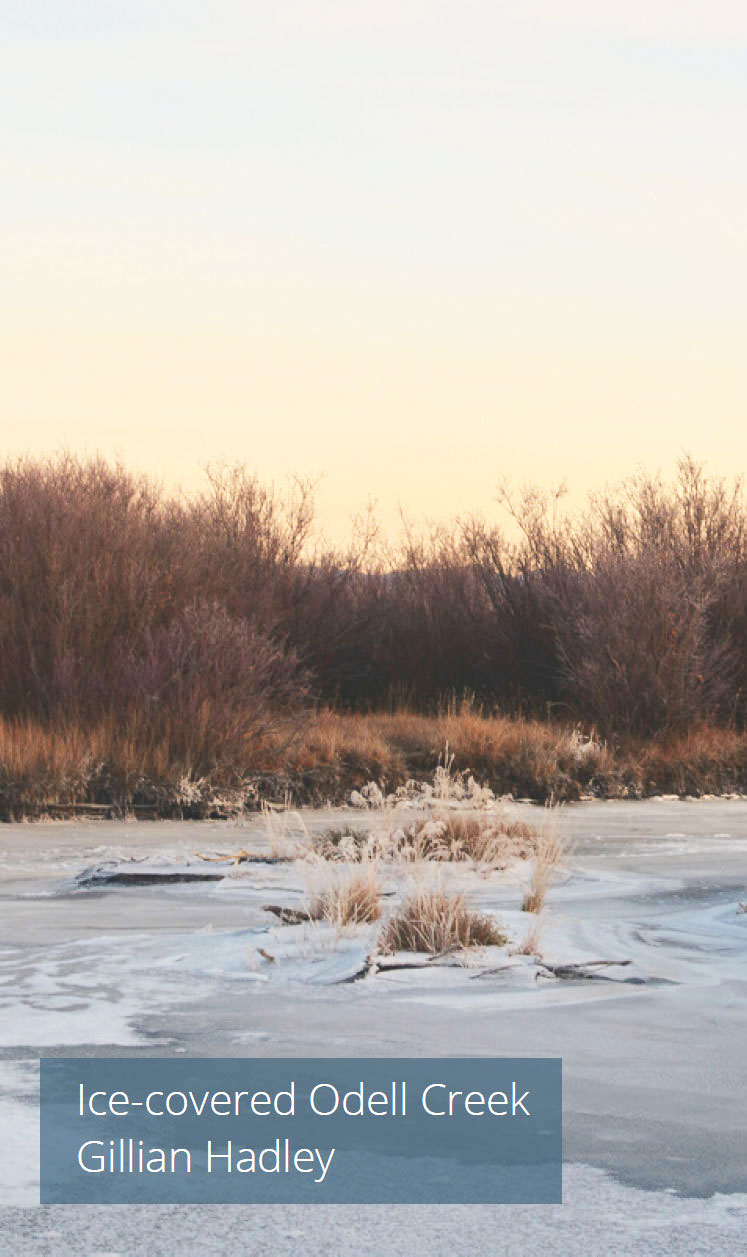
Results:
x,y
529,945
488,840
347,896
451,819
431,920
374,759
549,855
526,758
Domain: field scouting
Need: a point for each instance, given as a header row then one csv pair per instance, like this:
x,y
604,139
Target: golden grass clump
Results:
x,y
333,738
350,899
530,943
488,839
436,922
139,758
485,838
549,855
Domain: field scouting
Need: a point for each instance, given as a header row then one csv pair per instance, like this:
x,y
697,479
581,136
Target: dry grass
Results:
x,y
549,855
530,944
351,897
348,843
486,838
285,829
433,921
339,740
126,762
115,762
526,758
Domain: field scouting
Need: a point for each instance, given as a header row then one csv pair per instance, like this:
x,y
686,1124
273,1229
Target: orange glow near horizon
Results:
x,y
411,250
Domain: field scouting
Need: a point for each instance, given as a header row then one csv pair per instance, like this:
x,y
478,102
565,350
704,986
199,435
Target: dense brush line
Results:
x,y
210,622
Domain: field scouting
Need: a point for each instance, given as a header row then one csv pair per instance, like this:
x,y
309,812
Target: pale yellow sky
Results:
x,y
413,247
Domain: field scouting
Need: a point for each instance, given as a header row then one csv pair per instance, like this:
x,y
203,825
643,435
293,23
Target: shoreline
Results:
x,y
113,770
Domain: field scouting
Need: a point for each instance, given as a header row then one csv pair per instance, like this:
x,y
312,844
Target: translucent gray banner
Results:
x,y
469,1130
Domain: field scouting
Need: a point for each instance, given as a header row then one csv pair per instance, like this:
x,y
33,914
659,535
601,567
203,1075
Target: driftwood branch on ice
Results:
x,y
288,916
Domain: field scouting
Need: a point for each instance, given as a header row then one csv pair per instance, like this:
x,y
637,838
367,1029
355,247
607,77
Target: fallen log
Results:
x,y
57,810
244,857
368,966
289,916
486,973
381,965
579,971
583,971
580,968
143,877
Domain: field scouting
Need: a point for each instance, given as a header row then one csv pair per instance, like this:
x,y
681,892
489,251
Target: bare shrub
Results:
x,y
434,629
255,550
103,579
640,601
217,684
434,921
516,585
635,650
82,559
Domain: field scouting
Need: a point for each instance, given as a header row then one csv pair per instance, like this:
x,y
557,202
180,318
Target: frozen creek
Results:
x,y
654,1068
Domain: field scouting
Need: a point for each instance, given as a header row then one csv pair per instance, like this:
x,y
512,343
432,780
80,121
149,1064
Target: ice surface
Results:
x,y
654,1069
599,1218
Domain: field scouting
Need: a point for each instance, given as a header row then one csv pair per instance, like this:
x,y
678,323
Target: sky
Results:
x,y
409,248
